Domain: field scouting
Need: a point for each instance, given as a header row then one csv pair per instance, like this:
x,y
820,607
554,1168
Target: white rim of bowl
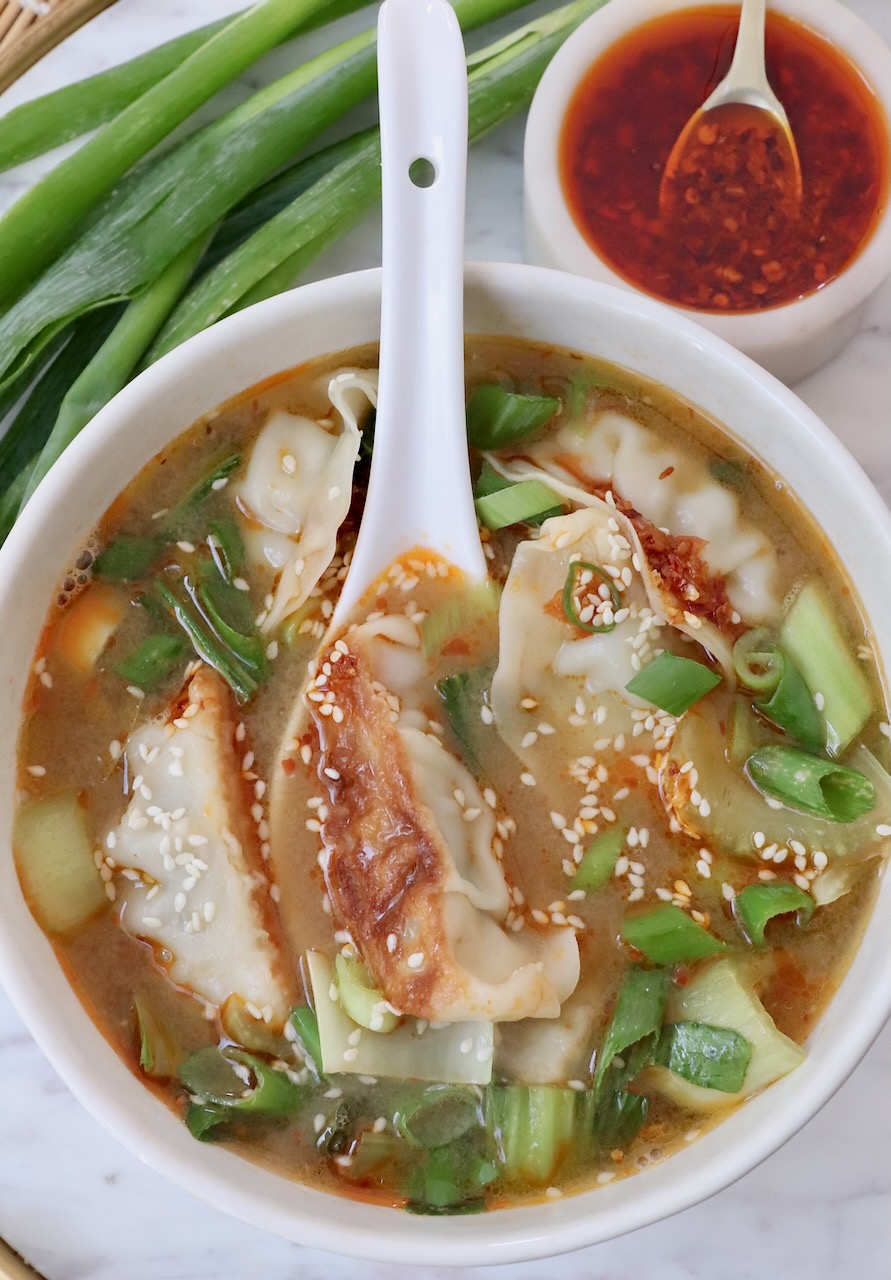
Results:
x,y
571,251
331,1222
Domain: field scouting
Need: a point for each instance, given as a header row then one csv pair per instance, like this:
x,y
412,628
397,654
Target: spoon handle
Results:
x,y
419,492
747,64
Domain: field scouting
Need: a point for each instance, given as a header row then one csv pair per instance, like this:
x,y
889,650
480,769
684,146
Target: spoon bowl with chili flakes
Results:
x,y
783,278
736,159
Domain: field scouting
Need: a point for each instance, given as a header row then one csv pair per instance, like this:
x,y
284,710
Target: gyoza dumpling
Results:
x,y
411,858
552,673
187,855
298,489
673,490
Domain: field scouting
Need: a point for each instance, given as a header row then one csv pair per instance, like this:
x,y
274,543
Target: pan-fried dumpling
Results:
x,y
186,853
675,491
411,857
298,489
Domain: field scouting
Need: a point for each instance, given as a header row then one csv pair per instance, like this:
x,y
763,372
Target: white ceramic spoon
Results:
x,y
419,493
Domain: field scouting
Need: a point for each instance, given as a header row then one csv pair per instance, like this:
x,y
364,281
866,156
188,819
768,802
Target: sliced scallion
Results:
x,y
599,861
203,1121
152,661
757,904
521,503
667,935
711,1057
757,661
810,784
673,683
496,417
213,480
638,1014
580,574
791,706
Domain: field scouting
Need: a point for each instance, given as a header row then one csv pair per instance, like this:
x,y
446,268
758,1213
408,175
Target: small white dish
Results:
x,y
790,341
249,347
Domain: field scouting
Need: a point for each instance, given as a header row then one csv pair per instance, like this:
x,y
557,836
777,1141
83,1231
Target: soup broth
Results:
x,y
506,889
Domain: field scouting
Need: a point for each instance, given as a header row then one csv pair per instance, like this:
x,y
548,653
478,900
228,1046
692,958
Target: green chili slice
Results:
x,y
579,574
232,1079
757,661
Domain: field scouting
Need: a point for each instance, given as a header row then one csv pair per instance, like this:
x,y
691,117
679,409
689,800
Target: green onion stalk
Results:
x,y
501,82
46,122
162,207
39,225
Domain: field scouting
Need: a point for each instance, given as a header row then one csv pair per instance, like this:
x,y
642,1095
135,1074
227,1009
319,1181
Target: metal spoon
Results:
x,y
419,493
745,86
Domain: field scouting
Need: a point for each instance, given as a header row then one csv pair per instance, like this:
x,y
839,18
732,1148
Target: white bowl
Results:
x,y
501,299
792,340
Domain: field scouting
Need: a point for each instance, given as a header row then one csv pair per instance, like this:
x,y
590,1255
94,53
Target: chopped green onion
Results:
x,y
521,503
638,1015
757,661
757,904
437,1116
673,683
810,784
711,1057
475,603
359,998
576,570
232,1078
306,1025
496,417
157,1052
152,661
241,681
667,935
791,706
533,1128
464,695
599,861
226,547
811,635
128,558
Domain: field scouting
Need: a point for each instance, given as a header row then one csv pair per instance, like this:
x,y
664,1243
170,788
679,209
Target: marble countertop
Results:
x,y
80,1207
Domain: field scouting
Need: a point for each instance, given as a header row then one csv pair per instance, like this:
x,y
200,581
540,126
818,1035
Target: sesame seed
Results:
x,y
527,779
883,829
415,960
